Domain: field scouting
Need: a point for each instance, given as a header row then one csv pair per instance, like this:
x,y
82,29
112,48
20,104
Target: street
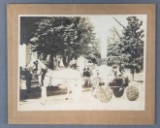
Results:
x,y
86,101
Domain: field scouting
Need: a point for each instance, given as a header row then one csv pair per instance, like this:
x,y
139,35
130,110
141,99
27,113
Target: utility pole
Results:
x,y
119,23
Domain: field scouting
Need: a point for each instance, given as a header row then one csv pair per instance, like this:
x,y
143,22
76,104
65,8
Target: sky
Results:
x,y
104,23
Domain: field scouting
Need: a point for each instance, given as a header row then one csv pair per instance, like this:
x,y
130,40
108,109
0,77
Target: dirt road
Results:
x,y
85,102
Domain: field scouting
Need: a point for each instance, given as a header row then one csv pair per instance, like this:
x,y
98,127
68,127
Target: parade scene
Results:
x,y
82,62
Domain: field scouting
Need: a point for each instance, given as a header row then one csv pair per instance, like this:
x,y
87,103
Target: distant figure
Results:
x,y
61,63
86,77
86,72
122,68
58,59
28,77
25,82
73,63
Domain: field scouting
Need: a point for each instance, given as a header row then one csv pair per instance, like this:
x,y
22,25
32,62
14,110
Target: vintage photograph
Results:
x,y
82,62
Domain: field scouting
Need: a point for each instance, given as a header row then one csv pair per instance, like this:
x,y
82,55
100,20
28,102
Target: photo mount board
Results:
x,y
80,117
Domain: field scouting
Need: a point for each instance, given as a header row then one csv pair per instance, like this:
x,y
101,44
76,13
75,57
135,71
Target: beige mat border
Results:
x,y
79,117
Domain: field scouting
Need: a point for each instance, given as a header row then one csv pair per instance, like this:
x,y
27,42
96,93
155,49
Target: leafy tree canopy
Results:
x,y
130,45
53,35
67,36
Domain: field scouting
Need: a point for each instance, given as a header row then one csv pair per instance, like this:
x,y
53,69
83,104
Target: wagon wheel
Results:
x,y
132,93
103,94
118,92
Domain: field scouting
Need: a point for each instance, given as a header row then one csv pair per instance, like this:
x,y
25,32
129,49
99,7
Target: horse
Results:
x,y
46,77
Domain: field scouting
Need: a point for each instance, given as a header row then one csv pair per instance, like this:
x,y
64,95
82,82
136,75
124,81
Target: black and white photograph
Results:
x,y
82,62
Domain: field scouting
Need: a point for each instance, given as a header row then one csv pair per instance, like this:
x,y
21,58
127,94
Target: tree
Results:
x,y
66,36
27,28
130,45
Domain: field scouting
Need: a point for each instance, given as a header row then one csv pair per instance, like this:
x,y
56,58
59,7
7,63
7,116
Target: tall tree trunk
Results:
x,y
65,58
132,76
51,61
133,71
66,61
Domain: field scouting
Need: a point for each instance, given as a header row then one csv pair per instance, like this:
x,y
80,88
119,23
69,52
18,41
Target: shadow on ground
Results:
x,y
35,92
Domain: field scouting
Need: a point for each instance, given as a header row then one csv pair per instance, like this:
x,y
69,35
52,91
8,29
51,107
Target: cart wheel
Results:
x,y
132,93
118,92
103,94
